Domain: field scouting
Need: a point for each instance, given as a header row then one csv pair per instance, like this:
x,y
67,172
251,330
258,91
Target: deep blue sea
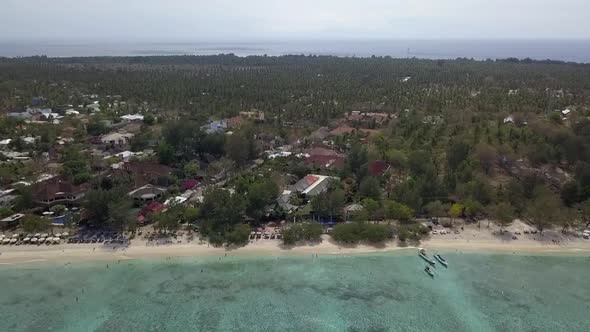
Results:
x,y
373,292
565,50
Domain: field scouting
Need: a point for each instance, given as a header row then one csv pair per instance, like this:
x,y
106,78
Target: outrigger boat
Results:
x,y
441,260
422,253
429,271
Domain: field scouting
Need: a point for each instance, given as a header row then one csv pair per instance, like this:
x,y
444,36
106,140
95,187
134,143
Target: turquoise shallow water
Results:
x,y
382,292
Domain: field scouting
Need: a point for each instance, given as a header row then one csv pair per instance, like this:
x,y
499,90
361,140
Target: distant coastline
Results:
x,y
559,50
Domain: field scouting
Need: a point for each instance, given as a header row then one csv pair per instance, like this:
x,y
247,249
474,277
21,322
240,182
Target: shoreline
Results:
x,y
77,253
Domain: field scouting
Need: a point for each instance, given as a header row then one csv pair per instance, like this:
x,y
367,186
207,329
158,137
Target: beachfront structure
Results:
x,y
147,193
58,191
313,185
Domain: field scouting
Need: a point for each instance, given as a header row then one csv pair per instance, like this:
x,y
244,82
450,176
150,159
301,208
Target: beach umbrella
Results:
x,y
27,239
13,241
34,240
65,234
56,240
44,235
2,236
58,234
42,240
38,235
6,241
14,236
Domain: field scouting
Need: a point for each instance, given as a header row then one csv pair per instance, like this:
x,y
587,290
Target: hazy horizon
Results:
x,y
267,20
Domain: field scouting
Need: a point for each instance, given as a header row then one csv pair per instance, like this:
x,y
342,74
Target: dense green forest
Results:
x,y
451,149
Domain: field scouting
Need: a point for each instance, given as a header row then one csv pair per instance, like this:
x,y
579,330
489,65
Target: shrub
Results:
x,y
302,232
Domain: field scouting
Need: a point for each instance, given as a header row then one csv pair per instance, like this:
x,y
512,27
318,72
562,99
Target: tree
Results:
x,y
502,213
165,153
585,211
108,207
149,120
457,153
370,188
169,221
258,196
456,210
58,210
487,156
239,235
192,169
435,209
5,212
308,231
371,206
221,210
32,224
544,210
329,203
191,214
397,211
472,208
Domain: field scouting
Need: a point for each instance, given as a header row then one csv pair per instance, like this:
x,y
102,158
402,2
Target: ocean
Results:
x,y
370,292
565,50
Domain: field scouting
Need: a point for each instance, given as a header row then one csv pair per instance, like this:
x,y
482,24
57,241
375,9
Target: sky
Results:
x,y
247,20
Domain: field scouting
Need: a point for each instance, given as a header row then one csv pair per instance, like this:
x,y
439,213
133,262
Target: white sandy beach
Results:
x,y
470,239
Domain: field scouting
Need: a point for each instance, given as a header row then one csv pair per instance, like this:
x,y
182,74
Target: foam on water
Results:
x,y
380,292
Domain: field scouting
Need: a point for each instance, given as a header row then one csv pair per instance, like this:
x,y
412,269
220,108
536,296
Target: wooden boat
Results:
x,y
429,271
441,260
422,253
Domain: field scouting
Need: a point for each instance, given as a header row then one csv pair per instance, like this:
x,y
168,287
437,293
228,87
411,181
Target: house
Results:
x,y
7,198
234,122
144,172
58,191
132,117
176,200
378,167
509,119
190,184
324,158
215,127
147,193
117,139
342,130
11,221
368,119
71,112
284,201
566,112
253,115
313,185
94,107
320,134
351,209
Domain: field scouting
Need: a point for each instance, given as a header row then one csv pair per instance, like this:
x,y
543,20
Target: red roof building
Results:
x,y
378,167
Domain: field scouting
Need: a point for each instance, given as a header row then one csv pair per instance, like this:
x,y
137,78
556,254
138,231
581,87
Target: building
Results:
x,y
212,127
58,191
117,139
378,167
324,158
313,185
11,221
132,117
253,115
147,194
